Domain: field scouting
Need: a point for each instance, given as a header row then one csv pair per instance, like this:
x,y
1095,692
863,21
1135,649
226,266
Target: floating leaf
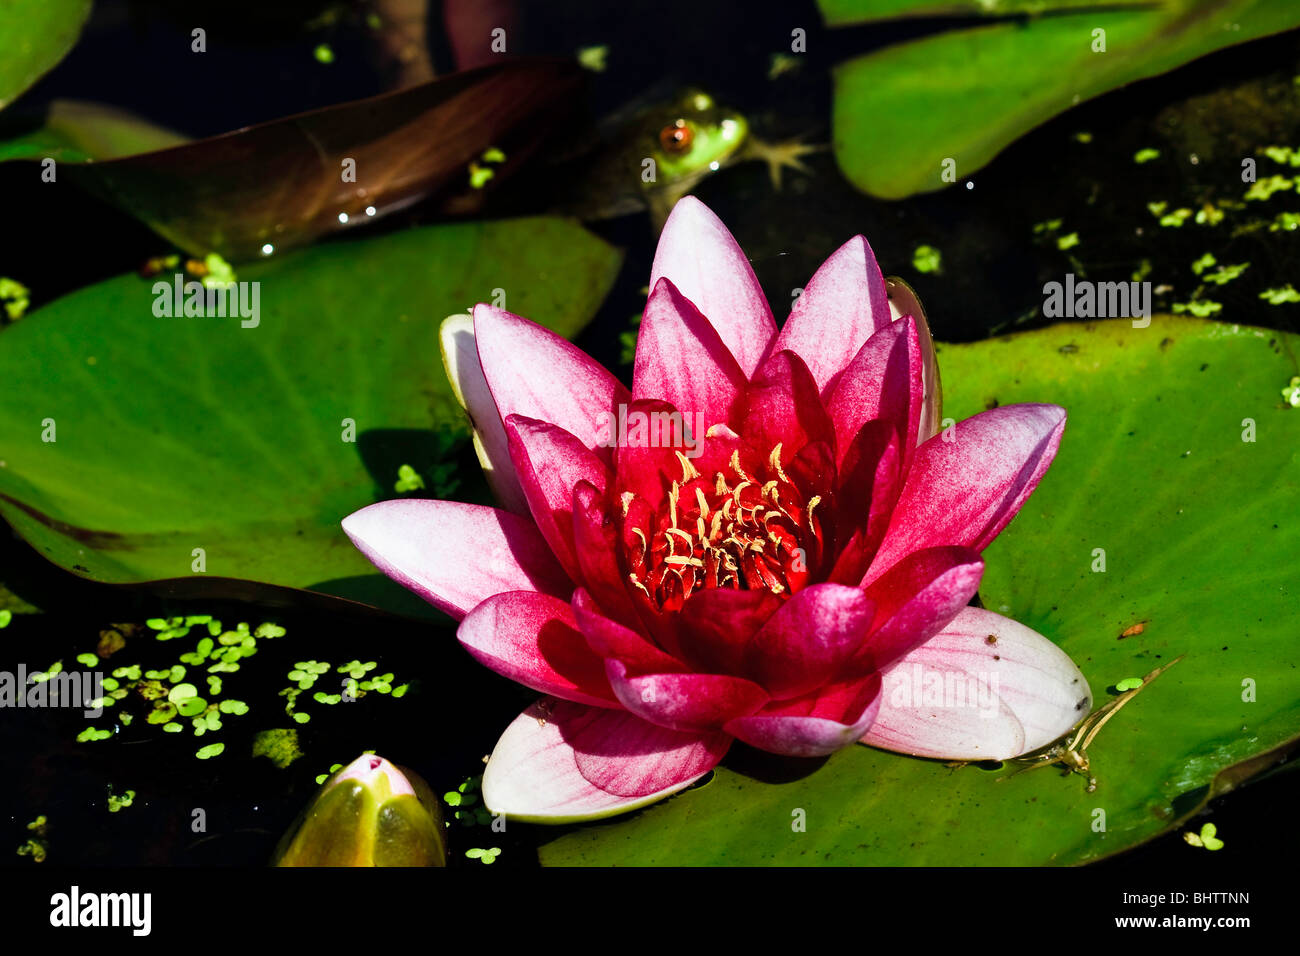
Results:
x,y
241,435
34,36
966,93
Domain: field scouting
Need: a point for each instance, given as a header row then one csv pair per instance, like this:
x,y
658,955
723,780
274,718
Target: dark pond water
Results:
x,y
994,266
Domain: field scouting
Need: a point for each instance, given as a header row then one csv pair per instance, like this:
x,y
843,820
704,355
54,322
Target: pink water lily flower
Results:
x,y
767,539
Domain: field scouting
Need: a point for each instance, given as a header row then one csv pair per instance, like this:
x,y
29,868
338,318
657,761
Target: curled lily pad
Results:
x,y
286,182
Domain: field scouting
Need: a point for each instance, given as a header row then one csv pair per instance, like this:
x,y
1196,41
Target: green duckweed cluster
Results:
x,y
189,695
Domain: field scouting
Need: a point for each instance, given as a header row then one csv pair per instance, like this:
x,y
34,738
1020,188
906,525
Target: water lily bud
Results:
x,y
370,813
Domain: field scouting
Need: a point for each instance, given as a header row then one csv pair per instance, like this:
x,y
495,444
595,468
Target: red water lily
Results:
x,y
767,539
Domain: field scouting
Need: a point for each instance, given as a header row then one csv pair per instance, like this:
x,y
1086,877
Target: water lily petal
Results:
x,y
816,724
609,639
704,261
595,539
805,643
919,597
460,359
964,487
985,688
903,301
883,381
534,640
550,462
680,358
656,434
455,555
782,406
692,703
536,373
841,307
719,623
869,485
562,763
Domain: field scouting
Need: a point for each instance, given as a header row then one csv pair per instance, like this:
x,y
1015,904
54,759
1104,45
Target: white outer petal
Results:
x,y
1027,693
460,359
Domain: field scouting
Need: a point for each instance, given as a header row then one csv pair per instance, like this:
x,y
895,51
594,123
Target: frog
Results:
x,y
664,151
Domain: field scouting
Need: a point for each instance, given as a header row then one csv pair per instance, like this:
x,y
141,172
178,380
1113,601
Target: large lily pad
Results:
x,y
965,94
34,36
1200,533
179,433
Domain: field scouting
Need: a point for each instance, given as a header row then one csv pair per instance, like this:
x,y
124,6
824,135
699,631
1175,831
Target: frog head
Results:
x,y
694,136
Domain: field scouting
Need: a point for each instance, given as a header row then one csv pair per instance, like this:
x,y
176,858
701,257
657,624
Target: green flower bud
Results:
x,y
368,814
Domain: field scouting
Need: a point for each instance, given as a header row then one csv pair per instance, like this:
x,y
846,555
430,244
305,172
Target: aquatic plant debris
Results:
x,y
16,298
37,846
1292,392
169,695
594,58
1071,752
1263,189
119,801
280,746
465,799
927,259
1207,838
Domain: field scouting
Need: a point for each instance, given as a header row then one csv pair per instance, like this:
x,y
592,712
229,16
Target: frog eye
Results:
x,y
677,138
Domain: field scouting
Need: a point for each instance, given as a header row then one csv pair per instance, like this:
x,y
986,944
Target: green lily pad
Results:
x,y
1200,533
75,132
34,36
966,94
193,448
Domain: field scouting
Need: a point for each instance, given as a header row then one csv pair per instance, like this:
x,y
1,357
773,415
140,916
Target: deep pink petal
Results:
x,y
682,701
608,638
882,381
560,762
535,373
533,639
460,359
595,539
985,688
806,643
681,359
968,482
816,724
653,441
869,485
783,407
917,598
549,463
842,306
708,266
427,546
719,623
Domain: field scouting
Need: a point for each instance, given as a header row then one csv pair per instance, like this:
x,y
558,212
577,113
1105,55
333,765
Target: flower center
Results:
x,y
731,529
